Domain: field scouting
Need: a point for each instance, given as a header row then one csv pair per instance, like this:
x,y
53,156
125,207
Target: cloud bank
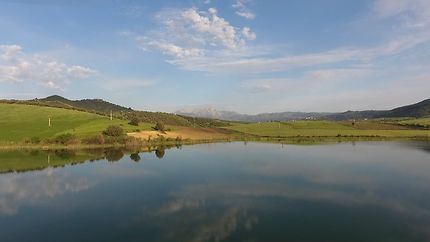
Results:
x,y
17,66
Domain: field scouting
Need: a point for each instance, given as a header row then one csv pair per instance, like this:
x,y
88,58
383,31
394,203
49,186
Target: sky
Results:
x,y
248,56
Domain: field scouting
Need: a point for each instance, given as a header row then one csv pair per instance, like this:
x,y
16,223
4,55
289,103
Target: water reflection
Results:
x,y
30,160
223,192
135,157
17,191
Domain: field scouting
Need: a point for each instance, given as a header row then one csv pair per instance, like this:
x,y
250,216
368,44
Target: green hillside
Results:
x,y
18,121
104,108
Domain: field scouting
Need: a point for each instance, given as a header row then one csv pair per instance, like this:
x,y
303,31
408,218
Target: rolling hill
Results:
x,y
417,110
102,107
20,121
95,105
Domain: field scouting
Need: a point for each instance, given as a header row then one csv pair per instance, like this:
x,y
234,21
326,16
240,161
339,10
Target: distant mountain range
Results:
x,y
209,116
421,109
234,116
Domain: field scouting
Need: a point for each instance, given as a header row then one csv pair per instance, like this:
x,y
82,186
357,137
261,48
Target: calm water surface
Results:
x,y
220,192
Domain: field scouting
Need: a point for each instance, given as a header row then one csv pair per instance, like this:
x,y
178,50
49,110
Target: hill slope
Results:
x,y
102,107
417,110
20,121
95,105
421,109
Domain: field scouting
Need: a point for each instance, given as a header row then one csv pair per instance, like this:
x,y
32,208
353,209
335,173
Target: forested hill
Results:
x,y
417,110
95,105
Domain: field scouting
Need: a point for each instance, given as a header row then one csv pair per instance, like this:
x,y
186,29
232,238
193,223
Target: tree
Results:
x,y
160,126
114,131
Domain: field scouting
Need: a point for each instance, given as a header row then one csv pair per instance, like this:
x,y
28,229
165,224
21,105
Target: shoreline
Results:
x,y
263,139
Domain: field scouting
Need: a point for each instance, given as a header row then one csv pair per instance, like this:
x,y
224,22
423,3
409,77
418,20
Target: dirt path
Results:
x,y
185,133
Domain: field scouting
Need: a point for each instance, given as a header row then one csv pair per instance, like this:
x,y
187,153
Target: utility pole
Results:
x,y
111,115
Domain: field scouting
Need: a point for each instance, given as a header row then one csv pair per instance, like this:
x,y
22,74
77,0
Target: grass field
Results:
x,y
418,121
327,128
19,121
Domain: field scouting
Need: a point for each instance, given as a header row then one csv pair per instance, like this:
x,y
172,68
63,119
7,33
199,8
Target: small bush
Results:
x,y
66,139
35,140
26,141
134,121
96,140
160,126
114,131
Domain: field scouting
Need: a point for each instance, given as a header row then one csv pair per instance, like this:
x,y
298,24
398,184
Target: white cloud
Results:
x,y
80,72
190,33
169,48
9,52
17,66
252,61
202,41
242,10
312,80
248,34
413,13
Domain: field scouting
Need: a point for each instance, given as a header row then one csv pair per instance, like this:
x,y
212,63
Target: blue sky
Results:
x,y
249,56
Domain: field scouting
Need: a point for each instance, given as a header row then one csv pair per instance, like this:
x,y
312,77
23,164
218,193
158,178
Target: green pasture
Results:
x,y
326,128
19,121
418,121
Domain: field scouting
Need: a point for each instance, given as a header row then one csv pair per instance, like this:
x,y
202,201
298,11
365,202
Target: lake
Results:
x,y
364,191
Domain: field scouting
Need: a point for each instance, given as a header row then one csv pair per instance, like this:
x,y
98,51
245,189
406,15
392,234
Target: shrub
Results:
x,y
96,140
26,141
66,139
160,126
134,121
35,140
114,131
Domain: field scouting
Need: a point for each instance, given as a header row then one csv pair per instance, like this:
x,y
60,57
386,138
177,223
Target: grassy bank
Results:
x,y
329,129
